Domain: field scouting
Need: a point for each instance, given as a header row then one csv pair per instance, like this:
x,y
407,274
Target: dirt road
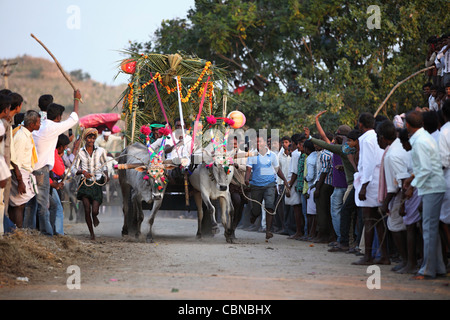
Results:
x,y
178,266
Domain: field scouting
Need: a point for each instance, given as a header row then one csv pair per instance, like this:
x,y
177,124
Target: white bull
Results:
x,y
211,183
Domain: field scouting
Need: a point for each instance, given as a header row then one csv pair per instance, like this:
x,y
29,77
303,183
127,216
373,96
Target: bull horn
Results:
x,y
129,166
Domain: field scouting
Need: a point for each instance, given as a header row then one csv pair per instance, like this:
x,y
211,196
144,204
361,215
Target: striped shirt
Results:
x,y
326,167
95,164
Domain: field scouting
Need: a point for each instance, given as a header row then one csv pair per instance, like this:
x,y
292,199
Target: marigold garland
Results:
x,y
170,90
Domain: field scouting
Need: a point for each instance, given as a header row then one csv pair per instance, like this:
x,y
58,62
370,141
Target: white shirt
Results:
x,y
114,144
23,144
443,60
5,173
426,164
293,166
285,163
432,104
182,151
396,161
444,144
47,137
370,155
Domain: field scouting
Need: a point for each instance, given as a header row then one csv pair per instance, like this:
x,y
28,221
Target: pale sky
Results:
x,y
83,34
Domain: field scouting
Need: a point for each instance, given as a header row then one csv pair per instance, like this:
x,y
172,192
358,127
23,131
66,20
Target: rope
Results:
x,y
253,200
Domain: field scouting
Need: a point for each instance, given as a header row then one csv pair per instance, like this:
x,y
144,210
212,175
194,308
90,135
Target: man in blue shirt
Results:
x,y
263,169
428,178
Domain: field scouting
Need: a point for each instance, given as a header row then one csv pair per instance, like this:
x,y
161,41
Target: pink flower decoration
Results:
x,y
229,121
211,119
209,165
145,130
146,178
164,131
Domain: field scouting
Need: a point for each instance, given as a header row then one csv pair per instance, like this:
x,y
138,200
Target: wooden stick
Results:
x,y
57,64
398,85
133,124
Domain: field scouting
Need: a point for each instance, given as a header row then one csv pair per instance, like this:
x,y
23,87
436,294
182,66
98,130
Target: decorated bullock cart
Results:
x,y
163,88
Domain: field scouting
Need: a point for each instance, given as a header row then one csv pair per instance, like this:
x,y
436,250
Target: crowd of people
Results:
x,y
380,190
35,161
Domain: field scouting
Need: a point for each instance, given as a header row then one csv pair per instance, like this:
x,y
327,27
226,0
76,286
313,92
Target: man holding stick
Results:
x,y
45,140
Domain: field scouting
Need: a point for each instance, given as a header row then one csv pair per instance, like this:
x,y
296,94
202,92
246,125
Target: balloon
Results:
x,y
238,118
128,66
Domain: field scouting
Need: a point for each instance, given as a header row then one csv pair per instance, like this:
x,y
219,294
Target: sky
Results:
x,y
81,34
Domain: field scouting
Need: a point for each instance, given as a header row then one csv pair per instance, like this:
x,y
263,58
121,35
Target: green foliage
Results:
x,y
79,75
341,65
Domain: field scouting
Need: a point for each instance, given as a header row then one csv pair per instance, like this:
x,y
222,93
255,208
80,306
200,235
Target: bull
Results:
x,y
137,185
211,182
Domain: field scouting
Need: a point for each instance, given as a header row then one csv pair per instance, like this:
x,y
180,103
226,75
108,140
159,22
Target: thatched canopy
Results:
x,y
141,104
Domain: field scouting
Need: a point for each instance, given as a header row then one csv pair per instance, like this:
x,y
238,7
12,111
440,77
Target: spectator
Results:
x,y
366,190
56,185
310,176
284,159
43,103
68,158
432,103
443,59
444,149
428,179
393,166
296,181
322,196
5,173
46,139
294,200
23,186
431,124
410,213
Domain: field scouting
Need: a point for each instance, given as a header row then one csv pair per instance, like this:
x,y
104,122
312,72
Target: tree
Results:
x,y
339,63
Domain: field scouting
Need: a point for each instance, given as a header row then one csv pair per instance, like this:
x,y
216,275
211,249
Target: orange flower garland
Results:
x,y
130,96
185,99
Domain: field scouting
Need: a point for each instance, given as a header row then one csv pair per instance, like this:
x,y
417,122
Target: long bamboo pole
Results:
x,y
398,85
57,63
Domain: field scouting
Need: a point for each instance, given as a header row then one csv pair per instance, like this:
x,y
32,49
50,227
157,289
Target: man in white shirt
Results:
x,y
432,104
284,159
366,190
295,199
444,149
429,180
23,186
394,166
46,139
443,61
111,143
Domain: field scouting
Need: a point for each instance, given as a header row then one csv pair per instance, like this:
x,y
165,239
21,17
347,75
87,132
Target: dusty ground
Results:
x,y
178,266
